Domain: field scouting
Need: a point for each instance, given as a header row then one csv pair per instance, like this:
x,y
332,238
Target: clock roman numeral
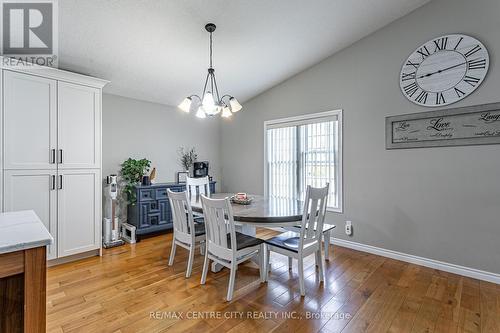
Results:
x,y
440,44
440,99
424,52
422,97
459,92
473,81
408,76
411,89
472,51
476,64
414,64
458,43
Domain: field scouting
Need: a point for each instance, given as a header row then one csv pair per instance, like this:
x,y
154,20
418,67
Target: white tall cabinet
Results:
x,y
51,154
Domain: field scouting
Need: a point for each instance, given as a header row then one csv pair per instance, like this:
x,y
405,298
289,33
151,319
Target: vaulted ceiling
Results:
x,y
157,50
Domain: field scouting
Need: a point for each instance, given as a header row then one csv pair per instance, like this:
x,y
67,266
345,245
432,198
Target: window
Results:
x,y
302,151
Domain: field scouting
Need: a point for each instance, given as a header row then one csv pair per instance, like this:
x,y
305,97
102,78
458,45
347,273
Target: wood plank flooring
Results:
x,y
131,289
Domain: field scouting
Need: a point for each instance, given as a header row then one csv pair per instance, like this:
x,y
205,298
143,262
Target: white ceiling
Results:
x,y
157,50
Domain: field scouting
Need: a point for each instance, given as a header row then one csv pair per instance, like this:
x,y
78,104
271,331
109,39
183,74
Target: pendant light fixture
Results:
x,y
211,104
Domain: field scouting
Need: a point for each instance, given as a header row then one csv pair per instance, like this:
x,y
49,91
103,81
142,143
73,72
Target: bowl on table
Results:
x,y
241,199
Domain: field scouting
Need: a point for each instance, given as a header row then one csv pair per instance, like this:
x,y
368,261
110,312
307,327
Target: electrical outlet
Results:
x,y
348,228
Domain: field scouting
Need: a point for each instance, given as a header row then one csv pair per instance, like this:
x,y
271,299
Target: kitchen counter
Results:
x,y
22,230
23,272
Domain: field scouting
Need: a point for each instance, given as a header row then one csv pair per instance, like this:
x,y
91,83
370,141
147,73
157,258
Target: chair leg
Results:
x,y
289,263
262,262
172,253
301,276
190,260
326,237
232,277
321,266
202,247
268,260
205,267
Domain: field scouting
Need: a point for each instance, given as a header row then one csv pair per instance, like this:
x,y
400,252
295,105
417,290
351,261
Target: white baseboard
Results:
x,y
436,264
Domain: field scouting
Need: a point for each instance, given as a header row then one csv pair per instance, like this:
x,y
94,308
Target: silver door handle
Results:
x,y
53,182
60,182
60,156
52,156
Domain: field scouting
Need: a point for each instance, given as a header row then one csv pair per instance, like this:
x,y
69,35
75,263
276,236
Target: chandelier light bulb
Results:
x,y
201,113
226,112
235,105
186,104
218,109
208,102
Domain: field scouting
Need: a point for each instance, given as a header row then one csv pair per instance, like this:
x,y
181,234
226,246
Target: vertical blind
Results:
x,y
302,153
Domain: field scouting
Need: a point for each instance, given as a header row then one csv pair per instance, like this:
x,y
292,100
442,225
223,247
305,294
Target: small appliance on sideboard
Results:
x,y
111,223
199,169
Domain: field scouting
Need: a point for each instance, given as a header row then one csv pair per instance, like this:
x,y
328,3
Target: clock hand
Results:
x,y
441,70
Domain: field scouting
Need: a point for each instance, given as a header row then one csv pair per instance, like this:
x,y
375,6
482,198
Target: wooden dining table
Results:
x,y
262,212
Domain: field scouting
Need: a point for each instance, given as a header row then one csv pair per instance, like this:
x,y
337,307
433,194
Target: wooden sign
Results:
x,y
472,125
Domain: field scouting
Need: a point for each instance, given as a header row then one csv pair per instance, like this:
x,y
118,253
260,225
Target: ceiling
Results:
x,y
157,50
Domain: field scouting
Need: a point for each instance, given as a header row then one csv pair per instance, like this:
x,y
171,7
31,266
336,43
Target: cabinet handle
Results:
x,y
52,156
53,181
60,156
60,182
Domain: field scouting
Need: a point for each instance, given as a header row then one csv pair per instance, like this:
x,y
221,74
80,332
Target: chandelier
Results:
x,y
211,104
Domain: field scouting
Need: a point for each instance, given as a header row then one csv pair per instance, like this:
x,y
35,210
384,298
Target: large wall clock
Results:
x,y
444,70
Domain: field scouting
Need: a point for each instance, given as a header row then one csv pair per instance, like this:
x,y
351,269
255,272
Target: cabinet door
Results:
x,y
79,126
34,190
29,121
79,211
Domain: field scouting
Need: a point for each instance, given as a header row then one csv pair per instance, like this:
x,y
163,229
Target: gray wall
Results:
x,y
439,203
138,129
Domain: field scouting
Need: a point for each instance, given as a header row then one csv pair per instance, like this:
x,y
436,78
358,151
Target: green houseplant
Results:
x,y
132,172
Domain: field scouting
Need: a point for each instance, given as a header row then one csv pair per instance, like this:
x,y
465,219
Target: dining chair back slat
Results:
x,y
182,214
198,186
219,223
313,216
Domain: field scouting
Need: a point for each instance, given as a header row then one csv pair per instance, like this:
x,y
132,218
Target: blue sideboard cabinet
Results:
x,y
151,212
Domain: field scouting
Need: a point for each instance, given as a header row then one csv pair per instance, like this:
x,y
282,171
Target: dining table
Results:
x,y
262,211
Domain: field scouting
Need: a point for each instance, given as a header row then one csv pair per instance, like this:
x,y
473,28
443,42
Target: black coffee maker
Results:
x,y
199,169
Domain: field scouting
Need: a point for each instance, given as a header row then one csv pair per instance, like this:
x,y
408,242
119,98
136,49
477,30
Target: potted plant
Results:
x,y
187,158
132,172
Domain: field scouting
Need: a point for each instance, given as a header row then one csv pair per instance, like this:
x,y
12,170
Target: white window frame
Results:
x,y
307,118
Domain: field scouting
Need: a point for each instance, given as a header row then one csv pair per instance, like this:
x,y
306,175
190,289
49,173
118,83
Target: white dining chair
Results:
x,y
224,245
327,236
308,240
198,186
186,233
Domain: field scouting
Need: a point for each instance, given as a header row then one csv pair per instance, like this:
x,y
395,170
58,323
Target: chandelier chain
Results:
x,y
210,50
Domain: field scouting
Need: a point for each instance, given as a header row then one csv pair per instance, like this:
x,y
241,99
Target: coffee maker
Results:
x,y
199,169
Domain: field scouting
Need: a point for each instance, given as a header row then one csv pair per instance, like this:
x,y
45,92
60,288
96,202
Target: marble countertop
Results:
x,y
22,230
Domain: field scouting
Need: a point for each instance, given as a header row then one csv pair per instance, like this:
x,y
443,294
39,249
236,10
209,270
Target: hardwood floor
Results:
x,y
131,289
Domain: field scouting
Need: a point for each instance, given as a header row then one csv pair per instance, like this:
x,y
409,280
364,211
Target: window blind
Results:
x,y
301,153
